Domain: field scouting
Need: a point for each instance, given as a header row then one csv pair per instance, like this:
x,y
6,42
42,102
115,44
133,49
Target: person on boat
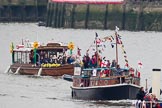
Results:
x,y
51,59
151,100
140,98
54,59
59,59
107,72
118,70
42,60
77,60
113,64
108,64
93,61
42,53
31,56
70,60
86,61
46,59
64,59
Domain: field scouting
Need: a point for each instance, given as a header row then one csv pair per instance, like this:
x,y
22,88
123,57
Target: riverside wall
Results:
x,y
134,15
23,10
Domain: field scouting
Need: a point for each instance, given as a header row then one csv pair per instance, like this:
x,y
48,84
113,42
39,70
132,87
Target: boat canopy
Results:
x,y
23,50
90,1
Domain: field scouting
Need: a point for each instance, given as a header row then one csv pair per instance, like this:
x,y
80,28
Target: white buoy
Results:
x,y
7,70
156,82
39,72
17,71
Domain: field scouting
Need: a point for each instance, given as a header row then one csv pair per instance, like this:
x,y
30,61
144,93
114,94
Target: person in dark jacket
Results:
x,y
140,97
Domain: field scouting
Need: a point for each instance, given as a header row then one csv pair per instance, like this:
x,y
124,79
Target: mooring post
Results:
x,y
73,16
59,15
63,15
156,82
56,14
50,14
87,16
47,19
106,13
53,15
139,20
124,16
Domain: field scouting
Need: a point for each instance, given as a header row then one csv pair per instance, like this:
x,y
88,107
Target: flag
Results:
x,y
140,65
98,41
96,35
112,45
11,47
126,64
19,46
116,29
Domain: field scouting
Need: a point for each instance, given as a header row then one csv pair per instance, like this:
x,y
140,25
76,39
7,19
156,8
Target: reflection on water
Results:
x,y
20,91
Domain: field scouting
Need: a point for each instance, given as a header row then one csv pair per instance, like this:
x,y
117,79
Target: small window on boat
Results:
x,y
21,57
87,73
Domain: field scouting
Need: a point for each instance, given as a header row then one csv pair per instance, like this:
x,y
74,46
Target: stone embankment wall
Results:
x,y
133,15
23,10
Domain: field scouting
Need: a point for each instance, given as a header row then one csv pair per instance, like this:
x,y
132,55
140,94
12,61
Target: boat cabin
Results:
x,y
26,55
102,77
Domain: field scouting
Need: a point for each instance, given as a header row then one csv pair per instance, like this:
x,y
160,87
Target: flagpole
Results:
x,y
96,49
116,47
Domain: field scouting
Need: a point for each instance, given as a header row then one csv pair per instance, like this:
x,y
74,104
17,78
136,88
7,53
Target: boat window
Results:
x,y
21,57
87,73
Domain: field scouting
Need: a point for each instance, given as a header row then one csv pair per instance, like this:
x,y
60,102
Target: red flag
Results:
x,y
140,64
126,64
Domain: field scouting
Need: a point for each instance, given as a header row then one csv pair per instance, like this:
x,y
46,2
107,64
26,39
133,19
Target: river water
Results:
x,y
19,91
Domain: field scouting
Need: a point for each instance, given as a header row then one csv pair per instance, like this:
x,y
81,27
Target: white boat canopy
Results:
x,y
90,1
23,50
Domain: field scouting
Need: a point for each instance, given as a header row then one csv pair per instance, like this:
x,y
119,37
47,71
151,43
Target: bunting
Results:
x,y
100,44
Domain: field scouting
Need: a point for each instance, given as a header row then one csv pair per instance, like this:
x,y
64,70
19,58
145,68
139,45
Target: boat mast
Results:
x,y
96,48
116,37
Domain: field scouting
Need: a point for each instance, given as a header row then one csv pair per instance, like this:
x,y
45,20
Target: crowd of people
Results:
x,y
45,58
95,61
146,100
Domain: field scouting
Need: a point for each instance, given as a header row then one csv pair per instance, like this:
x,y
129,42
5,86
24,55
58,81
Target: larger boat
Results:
x,y
47,60
106,82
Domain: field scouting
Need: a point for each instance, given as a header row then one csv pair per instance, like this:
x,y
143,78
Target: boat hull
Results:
x,y
114,92
67,77
53,71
